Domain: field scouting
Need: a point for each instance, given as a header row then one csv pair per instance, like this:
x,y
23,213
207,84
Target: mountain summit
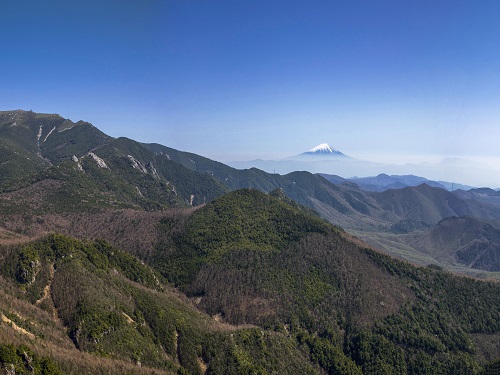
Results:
x,y
324,149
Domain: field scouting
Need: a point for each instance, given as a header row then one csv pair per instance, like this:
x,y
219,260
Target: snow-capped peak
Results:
x,y
325,151
323,148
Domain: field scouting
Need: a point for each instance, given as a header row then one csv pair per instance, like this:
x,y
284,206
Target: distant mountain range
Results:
x,y
324,159
51,165
384,182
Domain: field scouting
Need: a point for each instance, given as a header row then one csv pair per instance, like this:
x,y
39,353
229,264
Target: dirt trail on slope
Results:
x,y
46,290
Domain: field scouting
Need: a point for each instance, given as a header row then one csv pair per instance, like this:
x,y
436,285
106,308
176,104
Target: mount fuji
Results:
x,y
322,150
316,160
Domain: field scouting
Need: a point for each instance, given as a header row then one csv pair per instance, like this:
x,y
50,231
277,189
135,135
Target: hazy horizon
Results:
x,y
413,81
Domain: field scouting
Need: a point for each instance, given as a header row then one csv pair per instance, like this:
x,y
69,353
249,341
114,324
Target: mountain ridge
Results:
x,y
119,173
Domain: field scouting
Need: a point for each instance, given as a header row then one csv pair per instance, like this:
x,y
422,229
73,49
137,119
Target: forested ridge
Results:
x,y
322,283
260,281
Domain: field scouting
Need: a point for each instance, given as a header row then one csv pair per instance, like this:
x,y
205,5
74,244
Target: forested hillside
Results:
x,y
89,297
260,282
314,278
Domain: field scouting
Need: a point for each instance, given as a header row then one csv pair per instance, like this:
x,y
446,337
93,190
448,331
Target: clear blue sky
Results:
x,y
236,80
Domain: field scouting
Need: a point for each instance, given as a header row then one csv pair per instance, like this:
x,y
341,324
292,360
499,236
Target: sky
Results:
x,y
394,81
